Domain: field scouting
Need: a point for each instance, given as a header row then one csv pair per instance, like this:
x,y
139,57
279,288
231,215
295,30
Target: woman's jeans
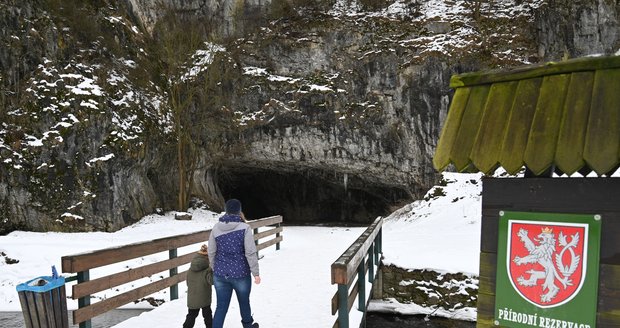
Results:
x,y
223,290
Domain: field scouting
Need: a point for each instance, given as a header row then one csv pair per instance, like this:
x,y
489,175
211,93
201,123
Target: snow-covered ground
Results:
x,y
441,233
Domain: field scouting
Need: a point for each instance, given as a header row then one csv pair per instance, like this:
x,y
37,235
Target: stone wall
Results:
x,y
428,288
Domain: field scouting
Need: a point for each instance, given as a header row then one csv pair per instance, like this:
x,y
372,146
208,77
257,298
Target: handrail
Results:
x,y
90,260
361,258
82,263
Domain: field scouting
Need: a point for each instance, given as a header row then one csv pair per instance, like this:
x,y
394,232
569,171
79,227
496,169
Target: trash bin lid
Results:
x,y
41,284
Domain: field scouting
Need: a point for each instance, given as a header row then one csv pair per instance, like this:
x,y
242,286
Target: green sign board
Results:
x,y
547,270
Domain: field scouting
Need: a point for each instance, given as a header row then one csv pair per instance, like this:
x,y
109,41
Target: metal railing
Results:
x,y
83,263
361,259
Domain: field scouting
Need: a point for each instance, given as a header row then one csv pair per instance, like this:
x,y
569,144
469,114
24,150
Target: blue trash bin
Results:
x,y
44,302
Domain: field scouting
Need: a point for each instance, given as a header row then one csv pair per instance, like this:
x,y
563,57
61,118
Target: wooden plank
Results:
x,y
352,296
346,265
49,308
56,306
26,311
488,268
534,71
489,228
518,128
487,146
267,233
602,143
459,154
583,194
568,195
85,313
450,129
607,320
41,311
486,308
334,303
542,140
265,221
484,325
608,306
609,300
609,277
96,285
86,261
63,307
32,308
269,243
572,134
610,243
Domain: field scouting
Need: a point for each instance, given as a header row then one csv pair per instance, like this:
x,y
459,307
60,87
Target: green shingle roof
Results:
x,y
564,114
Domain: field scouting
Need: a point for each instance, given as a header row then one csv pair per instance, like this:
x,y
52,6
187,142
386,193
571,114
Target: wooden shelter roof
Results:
x,y
563,114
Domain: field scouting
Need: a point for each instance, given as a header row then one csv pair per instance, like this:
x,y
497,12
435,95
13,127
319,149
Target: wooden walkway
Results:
x,y
296,287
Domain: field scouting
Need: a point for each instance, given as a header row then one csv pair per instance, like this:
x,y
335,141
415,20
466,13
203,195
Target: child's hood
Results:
x,y
199,263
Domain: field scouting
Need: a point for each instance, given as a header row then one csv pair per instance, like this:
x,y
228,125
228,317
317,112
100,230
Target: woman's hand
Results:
x,y
257,280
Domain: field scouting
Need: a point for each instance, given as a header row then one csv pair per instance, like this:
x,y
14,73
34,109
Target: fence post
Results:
x,y
84,276
256,241
371,263
174,289
380,240
278,236
343,306
361,287
376,253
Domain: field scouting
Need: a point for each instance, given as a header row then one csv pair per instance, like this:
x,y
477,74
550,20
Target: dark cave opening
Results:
x,y
308,197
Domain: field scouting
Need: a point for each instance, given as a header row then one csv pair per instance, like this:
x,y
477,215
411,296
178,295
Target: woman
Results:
x,y
233,257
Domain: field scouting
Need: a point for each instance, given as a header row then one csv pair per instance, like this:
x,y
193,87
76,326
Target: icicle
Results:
x,y
345,178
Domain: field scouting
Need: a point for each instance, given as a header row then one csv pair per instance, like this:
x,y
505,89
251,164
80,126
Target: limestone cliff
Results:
x,y
318,110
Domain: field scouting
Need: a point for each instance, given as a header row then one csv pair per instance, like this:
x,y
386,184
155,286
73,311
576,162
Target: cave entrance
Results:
x,y
309,197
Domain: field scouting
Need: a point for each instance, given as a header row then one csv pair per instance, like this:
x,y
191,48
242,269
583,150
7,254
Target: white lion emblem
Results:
x,y
543,255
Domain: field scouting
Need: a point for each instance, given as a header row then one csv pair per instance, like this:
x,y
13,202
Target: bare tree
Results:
x,y
177,39
476,9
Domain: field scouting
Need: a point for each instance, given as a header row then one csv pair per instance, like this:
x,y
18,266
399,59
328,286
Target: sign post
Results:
x,y
547,270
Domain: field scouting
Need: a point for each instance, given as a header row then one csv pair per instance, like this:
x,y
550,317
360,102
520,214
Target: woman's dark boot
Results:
x,y
249,324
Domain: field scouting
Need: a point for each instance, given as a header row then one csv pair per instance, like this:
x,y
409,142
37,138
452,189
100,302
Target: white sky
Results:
x,y
441,234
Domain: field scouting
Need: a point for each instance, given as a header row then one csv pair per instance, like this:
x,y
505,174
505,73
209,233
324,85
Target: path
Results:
x,y
296,287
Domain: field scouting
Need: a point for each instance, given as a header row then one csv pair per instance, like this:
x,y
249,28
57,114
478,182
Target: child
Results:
x,y
199,282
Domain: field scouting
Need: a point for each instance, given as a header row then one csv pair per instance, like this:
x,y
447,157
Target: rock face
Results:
x,y
226,18
448,292
323,111
578,29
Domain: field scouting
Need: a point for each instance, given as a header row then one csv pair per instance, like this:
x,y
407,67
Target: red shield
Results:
x,y
546,259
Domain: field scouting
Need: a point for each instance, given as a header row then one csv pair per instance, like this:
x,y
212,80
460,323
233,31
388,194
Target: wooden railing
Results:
x,y
360,258
83,263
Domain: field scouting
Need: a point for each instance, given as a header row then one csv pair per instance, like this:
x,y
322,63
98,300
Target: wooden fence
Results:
x,y
83,263
360,258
